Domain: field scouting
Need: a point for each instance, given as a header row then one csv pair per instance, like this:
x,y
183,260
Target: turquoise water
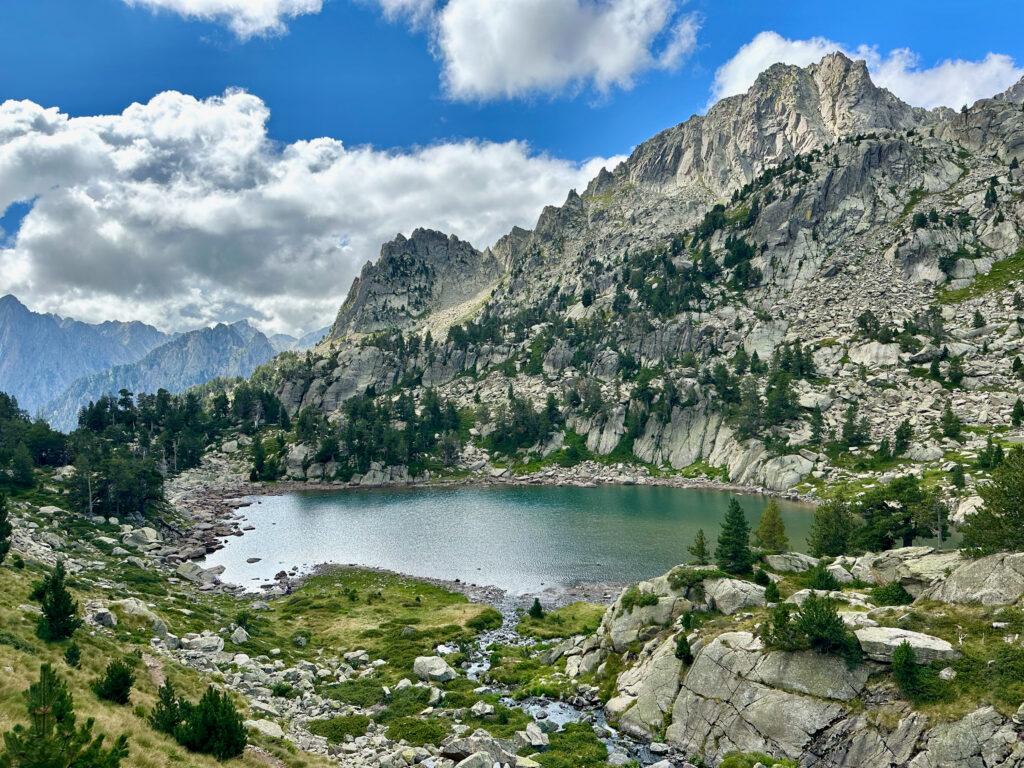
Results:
x,y
522,539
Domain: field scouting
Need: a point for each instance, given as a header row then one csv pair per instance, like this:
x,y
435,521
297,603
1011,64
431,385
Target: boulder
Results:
x,y
499,750
874,353
208,644
791,562
879,643
268,728
239,636
994,580
433,668
132,606
195,573
732,595
476,760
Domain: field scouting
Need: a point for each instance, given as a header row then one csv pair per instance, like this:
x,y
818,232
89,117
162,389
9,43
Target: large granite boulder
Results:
x,y
732,595
879,643
433,668
791,562
994,580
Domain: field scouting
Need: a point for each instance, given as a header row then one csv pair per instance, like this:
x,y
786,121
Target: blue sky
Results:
x,y
466,115
349,73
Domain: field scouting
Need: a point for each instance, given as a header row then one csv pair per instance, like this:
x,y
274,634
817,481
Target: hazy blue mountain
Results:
x,y
41,354
282,342
187,360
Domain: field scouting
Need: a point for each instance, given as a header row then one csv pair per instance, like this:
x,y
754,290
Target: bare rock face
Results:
x,y
414,276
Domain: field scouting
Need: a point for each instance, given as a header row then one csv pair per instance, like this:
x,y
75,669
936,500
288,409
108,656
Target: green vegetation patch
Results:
x,y
576,619
577,747
337,728
1001,276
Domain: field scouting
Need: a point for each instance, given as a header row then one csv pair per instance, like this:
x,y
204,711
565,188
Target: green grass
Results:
x,y
337,728
418,732
576,619
1001,276
577,747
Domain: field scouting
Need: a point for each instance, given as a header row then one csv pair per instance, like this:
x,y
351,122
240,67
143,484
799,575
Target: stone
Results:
x,y
993,580
239,636
267,728
433,668
476,760
875,353
791,562
879,643
104,618
208,644
482,709
732,595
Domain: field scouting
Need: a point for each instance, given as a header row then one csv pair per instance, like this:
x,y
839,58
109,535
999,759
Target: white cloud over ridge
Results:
x,y
520,47
181,211
951,83
246,18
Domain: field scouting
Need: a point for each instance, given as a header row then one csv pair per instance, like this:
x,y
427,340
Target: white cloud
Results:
x,y
246,18
951,83
181,211
520,47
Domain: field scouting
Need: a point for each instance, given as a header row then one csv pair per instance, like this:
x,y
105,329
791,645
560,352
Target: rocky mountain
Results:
x,y
186,361
282,342
72,349
770,224
427,275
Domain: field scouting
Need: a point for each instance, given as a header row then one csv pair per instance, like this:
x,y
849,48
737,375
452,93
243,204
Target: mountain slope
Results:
x,y
776,220
190,359
72,349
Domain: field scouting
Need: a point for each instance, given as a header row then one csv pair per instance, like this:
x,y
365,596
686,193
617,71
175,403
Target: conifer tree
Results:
x,y
831,530
1017,415
167,712
5,529
999,524
699,549
536,610
60,612
212,727
51,740
771,530
732,554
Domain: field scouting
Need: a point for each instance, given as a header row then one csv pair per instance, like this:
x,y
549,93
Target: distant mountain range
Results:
x,y
82,362
41,354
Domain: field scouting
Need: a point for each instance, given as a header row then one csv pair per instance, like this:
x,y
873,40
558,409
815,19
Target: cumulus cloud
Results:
x,y
246,18
950,83
182,211
519,47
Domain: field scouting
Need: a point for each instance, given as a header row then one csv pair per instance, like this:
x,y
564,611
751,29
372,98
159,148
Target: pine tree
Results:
x,y
212,727
699,549
167,712
73,655
832,529
771,593
956,371
52,740
901,438
60,612
934,371
22,466
979,319
817,424
771,530
950,423
732,554
6,529
999,524
1017,415
536,610
116,683
956,476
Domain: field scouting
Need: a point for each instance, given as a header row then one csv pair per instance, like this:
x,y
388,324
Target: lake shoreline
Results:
x,y
207,503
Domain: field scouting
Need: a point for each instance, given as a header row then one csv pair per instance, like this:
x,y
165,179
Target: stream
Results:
x,y
541,708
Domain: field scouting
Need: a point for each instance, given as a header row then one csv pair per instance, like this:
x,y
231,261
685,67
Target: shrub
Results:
x,y
337,728
489,619
51,740
683,652
762,578
817,626
891,594
73,655
633,598
918,683
5,529
417,732
771,592
116,683
212,727
818,577
283,690
14,641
